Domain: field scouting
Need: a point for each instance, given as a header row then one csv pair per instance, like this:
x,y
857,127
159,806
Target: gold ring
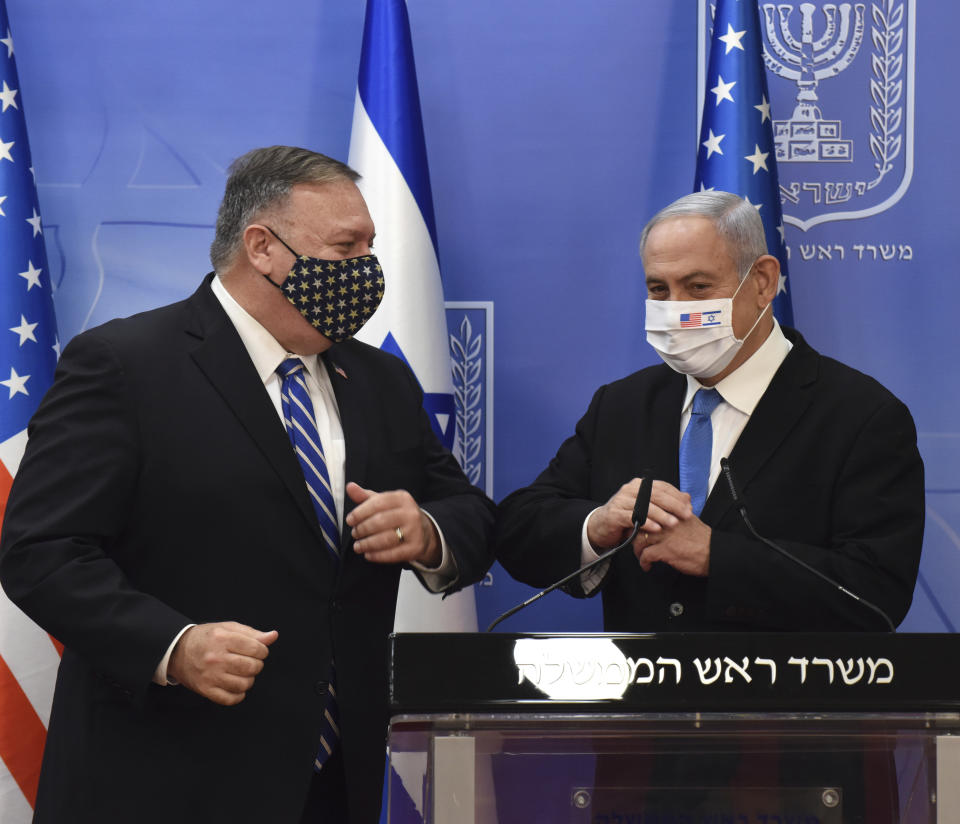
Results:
x,y
399,535
645,536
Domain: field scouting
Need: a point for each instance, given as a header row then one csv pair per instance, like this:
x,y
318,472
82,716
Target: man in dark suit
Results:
x,y
824,456
161,526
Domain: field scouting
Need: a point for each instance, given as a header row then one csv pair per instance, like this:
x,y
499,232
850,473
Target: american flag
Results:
x,y
736,152
29,349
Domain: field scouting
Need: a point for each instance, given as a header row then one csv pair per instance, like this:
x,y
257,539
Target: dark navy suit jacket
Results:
x,y
828,466
159,488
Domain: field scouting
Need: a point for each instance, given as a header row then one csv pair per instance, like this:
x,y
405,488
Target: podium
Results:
x,y
738,728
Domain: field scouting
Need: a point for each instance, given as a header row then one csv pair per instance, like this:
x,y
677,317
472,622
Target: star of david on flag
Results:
x,y
387,148
29,349
736,151
692,320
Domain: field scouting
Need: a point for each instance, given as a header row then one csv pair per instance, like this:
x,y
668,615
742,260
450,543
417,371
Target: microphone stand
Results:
x,y
642,504
741,507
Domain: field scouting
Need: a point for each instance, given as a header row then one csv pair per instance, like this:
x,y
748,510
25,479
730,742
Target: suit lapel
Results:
x,y
223,359
665,417
780,408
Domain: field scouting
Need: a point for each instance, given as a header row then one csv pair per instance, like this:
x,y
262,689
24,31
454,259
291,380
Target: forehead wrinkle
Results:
x,y
328,212
696,273
337,231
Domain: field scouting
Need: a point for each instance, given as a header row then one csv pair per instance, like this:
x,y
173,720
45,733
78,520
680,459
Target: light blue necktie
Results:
x,y
696,447
301,426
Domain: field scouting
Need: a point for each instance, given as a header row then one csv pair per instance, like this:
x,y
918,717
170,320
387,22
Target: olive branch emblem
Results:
x,y
886,87
465,349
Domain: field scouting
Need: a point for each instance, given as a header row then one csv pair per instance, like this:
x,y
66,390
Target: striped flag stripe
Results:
x,y
27,666
6,481
32,656
22,734
28,661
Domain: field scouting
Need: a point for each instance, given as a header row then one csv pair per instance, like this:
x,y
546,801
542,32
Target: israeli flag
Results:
x,y
387,148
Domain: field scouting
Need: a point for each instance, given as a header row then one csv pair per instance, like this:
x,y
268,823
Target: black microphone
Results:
x,y
639,517
741,507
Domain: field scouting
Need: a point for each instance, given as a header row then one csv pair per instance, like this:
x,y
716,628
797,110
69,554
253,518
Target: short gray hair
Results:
x,y
735,220
262,179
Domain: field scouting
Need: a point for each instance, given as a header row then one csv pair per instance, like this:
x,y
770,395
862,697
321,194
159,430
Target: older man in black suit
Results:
x,y
825,457
212,514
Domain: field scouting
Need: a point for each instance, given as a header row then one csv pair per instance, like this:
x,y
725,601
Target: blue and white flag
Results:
x,y
387,148
28,355
736,152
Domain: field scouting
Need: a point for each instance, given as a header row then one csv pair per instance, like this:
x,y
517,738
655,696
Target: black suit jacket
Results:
x,y
828,465
159,488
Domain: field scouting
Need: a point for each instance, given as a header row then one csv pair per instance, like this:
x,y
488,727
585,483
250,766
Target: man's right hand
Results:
x,y
220,661
612,523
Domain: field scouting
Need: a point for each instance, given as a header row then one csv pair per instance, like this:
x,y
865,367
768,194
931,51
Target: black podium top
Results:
x,y
674,672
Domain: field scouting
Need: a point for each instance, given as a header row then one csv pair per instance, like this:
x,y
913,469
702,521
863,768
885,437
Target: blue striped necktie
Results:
x,y
301,426
696,447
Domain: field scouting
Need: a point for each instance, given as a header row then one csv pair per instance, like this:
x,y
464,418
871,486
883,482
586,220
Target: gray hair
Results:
x,y
260,180
735,220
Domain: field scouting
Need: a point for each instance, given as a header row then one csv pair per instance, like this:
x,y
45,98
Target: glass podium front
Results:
x,y
675,729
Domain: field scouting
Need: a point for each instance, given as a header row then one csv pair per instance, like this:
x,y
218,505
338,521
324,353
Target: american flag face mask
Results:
x,y
695,337
335,296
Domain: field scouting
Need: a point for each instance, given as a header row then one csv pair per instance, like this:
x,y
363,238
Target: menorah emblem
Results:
x,y
807,61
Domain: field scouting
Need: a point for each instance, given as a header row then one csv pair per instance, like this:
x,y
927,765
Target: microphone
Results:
x,y
741,507
639,517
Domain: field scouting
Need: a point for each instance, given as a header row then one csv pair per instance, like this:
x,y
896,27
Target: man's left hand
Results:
x,y
389,528
684,544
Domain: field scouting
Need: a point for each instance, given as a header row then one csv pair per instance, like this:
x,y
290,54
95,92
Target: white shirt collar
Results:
x,y
744,387
264,349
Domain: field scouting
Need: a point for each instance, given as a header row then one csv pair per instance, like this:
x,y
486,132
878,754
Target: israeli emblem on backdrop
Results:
x,y
841,80
470,336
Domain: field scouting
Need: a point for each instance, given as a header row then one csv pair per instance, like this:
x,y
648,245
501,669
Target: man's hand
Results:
x,y
220,661
612,523
681,539
389,528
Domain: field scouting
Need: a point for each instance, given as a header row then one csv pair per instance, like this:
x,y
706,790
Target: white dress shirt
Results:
x,y
267,354
741,391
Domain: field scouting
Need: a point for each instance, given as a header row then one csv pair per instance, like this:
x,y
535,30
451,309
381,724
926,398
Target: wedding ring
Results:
x,y
399,535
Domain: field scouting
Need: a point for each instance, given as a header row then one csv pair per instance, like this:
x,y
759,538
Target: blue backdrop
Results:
x,y
554,130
